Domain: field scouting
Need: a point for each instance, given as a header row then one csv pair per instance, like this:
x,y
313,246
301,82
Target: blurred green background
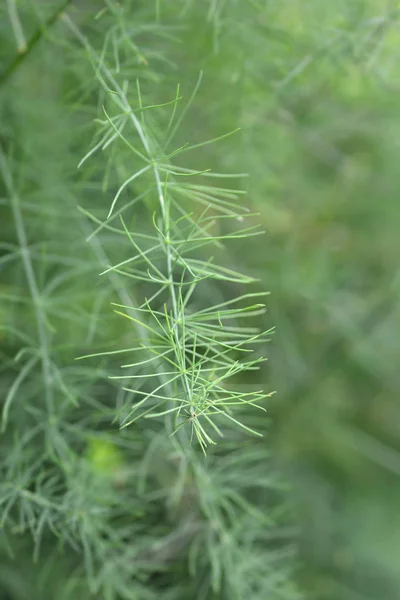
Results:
x,y
314,86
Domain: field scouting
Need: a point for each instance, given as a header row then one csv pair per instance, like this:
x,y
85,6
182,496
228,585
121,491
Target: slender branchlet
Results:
x,y
201,348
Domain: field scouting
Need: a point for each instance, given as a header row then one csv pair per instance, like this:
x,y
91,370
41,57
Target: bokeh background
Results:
x,y
314,86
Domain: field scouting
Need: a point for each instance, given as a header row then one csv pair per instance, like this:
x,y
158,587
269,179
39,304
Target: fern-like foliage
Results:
x,y
193,349
99,479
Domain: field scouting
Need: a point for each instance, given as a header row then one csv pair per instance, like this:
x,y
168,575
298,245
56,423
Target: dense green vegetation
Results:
x,y
309,510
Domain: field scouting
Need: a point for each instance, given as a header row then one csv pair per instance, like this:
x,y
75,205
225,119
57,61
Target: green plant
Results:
x,y
192,350
131,511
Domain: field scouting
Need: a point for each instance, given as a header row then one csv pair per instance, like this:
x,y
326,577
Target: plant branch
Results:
x,y
31,278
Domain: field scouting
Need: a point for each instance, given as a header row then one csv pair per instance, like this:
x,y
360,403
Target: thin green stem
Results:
x,y
16,25
31,278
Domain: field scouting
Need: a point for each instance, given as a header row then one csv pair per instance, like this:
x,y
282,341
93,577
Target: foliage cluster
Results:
x,y
90,509
111,472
